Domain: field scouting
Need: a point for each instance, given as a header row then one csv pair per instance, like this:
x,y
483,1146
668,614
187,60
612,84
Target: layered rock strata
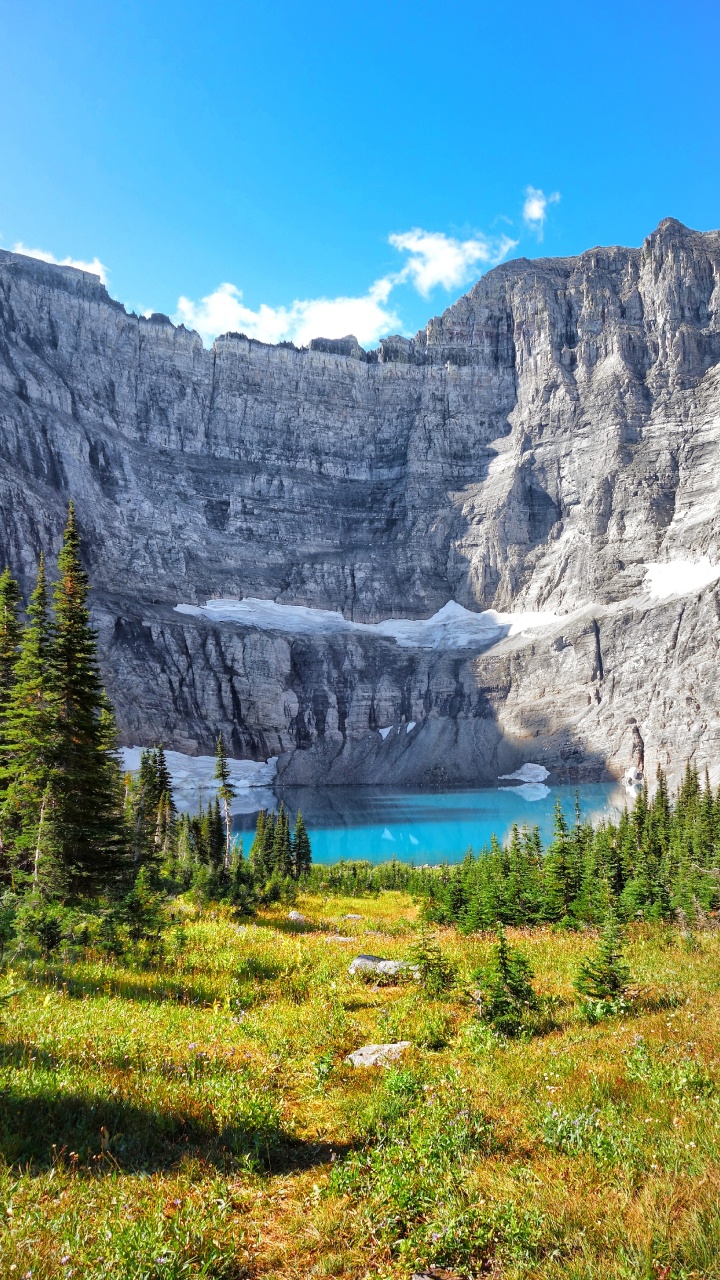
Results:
x,y
536,447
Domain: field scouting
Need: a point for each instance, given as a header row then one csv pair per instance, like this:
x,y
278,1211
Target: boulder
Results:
x,y
370,966
296,917
378,1055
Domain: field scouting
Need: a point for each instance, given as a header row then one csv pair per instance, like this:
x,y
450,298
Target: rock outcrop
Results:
x,y
536,447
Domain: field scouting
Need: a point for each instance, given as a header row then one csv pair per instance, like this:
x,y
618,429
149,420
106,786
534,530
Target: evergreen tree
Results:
x,y
225,791
562,873
605,976
30,745
10,635
282,861
88,819
509,997
301,850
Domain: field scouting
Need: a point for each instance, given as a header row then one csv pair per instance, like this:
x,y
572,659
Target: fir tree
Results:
x,y
509,997
30,744
301,850
10,635
90,831
282,861
606,975
225,791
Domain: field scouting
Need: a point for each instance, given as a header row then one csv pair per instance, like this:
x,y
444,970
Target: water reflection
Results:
x,y
378,823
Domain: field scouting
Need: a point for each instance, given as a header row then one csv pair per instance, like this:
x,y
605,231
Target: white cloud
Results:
x,y
434,259
96,267
535,208
439,259
368,316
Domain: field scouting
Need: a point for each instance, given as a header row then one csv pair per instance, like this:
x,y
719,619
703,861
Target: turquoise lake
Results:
x,y
379,823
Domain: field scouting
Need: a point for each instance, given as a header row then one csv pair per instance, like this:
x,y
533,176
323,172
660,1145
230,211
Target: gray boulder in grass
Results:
x,y
296,917
370,966
378,1055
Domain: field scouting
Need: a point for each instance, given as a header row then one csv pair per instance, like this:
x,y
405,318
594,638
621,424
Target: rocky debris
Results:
x,y
338,937
537,447
370,966
378,1055
296,917
352,916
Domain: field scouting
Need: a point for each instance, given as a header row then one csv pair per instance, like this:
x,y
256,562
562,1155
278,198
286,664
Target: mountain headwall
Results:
x,y
536,447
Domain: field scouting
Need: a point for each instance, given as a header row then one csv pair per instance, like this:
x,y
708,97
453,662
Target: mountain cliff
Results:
x,y
549,445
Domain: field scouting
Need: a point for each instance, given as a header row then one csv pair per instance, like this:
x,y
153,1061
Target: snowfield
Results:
x,y
193,784
679,577
452,627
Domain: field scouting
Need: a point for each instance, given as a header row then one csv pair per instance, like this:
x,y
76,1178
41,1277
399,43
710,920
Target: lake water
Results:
x,y
379,823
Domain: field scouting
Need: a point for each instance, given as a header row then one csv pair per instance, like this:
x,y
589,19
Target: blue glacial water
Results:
x,y
379,823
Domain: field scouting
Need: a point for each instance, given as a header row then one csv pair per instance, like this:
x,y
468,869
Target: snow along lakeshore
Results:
x,y
193,784
452,627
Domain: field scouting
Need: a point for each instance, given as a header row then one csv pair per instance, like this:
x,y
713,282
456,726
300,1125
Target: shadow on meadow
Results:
x,y
122,987
99,1134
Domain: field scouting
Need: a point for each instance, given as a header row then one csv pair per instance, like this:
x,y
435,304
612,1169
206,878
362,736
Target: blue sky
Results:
x,y
294,168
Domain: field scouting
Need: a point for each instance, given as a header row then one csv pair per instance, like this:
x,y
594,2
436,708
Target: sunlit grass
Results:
x,y
196,1117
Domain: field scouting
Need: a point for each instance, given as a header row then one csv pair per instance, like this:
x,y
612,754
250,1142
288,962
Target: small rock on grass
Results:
x,y
337,937
378,1055
352,916
368,965
296,917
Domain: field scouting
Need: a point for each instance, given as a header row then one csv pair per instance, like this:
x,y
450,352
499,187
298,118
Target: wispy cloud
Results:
x,y
434,259
535,208
96,267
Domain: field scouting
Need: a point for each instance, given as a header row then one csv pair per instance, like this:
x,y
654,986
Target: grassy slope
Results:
x,y
148,1131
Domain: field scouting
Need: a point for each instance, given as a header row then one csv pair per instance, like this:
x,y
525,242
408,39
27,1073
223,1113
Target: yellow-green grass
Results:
x,y
196,1117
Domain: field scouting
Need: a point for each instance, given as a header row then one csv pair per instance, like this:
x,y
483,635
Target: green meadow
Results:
x,y
186,1110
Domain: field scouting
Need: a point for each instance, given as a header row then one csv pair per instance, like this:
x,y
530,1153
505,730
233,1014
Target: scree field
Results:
x,y
191,1113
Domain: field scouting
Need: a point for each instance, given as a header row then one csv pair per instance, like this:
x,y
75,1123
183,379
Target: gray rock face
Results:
x,y
534,448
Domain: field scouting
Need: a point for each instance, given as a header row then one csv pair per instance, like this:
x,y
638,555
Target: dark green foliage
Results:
x,y
10,635
434,972
509,1000
89,830
41,922
30,740
605,976
301,851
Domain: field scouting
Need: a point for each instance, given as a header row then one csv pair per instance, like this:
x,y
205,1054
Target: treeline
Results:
x,y
660,860
73,829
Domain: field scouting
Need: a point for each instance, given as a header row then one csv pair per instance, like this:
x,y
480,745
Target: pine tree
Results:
x,y
10,635
282,863
606,975
30,743
225,791
509,997
88,817
301,850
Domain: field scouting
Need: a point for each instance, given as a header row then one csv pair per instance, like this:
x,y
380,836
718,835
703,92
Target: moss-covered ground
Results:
x,y
194,1116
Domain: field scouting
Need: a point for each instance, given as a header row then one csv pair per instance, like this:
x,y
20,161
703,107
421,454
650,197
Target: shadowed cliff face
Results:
x,y
535,447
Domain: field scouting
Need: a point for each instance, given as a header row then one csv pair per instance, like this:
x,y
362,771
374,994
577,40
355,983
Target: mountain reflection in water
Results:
x,y
379,823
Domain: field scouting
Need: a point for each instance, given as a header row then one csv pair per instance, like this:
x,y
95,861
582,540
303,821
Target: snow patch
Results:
x,y
384,732
413,839
452,627
526,773
388,835
193,783
410,726
679,577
